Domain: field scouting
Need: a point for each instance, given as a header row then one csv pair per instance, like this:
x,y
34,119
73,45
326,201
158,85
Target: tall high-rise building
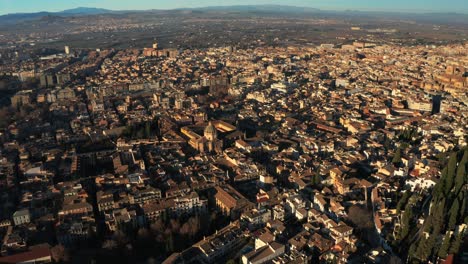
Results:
x,y
67,50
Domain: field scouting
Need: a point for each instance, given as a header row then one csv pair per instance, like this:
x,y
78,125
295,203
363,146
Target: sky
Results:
x,y
27,6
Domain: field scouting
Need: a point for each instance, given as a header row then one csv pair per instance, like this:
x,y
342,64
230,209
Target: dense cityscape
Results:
x,y
348,151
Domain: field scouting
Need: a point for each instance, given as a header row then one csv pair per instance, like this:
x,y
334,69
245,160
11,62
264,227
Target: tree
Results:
x,y
424,248
143,233
407,217
394,260
316,179
442,158
440,186
175,225
397,157
128,250
451,167
456,243
147,130
5,113
157,227
185,229
412,250
60,253
120,238
387,143
194,224
443,250
402,202
160,237
453,213
170,243
109,244
464,198
143,237
360,217
461,175
151,260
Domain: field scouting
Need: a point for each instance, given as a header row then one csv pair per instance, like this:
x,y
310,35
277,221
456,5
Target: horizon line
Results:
x,y
400,11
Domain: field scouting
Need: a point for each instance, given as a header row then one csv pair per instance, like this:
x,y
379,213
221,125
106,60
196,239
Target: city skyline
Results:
x,y
186,132
28,6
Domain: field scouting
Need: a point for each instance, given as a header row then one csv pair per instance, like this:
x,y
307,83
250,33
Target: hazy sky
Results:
x,y
19,6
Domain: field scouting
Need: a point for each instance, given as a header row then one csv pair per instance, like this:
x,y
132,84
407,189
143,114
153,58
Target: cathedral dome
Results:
x,y
210,132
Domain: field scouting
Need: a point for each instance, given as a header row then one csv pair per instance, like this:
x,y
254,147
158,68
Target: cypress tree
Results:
x,y
397,157
412,250
423,250
437,215
439,189
453,213
317,178
455,245
464,199
406,219
451,167
147,130
461,175
443,250
170,243
402,202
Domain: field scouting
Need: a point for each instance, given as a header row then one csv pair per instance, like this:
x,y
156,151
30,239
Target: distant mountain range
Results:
x,y
261,9
257,8
86,11
20,17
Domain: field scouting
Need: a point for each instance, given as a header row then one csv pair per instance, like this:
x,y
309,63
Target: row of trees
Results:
x,y
409,135
439,235
407,223
146,129
407,138
158,240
